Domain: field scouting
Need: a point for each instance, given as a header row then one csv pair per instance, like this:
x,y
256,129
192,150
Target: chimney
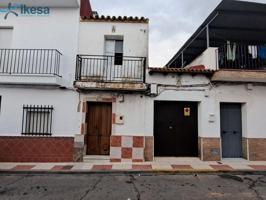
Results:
x,y
85,8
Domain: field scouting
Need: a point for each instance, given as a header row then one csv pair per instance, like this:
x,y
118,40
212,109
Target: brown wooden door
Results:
x,y
99,120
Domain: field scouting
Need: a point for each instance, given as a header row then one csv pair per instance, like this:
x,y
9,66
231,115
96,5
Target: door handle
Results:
x,y
224,132
234,132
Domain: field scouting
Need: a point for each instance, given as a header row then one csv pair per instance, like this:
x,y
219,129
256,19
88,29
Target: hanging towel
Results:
x,y
231,51
253,50
262,52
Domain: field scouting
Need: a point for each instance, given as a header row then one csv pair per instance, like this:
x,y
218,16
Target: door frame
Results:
x,y
87,122
242,104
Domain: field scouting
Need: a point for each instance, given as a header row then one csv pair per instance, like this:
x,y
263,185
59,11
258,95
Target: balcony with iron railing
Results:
x,y
234,62
30,66
237,56
110,72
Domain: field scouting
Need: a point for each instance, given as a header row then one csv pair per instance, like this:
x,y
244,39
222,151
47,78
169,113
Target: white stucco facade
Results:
x,y
135,37
58,30
138,109
64,31
253,109
209,59
65,121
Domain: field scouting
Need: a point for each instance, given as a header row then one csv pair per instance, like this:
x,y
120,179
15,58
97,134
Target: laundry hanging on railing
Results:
x,y
231,51
262,52
253,51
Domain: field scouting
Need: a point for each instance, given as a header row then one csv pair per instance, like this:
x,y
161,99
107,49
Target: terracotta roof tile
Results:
x,y
108,18
191,70
197,67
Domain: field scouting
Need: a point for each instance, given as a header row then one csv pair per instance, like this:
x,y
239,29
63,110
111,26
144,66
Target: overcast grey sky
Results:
x,y
172,22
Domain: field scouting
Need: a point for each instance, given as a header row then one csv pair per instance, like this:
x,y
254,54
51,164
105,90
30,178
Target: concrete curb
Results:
x,y
132,172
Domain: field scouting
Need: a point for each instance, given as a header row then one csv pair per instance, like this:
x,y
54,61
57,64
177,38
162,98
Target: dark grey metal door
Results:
x,y
176,128
231,130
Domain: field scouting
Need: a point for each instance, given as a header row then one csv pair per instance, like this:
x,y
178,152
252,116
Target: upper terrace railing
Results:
x,y
30,61
242,56
102,68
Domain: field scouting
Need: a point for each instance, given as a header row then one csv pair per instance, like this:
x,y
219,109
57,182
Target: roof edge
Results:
x,y
108,18
181,70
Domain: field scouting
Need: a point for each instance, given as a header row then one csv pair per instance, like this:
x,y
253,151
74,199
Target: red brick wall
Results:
x,y
210,149
257,149
36,149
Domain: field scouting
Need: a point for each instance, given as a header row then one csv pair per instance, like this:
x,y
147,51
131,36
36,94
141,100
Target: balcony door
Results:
x,y
114,56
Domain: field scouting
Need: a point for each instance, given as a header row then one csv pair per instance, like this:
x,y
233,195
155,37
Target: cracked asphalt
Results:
x,y
131,186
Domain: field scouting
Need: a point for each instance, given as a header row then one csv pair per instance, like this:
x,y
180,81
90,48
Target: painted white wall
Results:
x,y
59,31
208,58
187,88
176,80
253,107
92,37
65,116
138,110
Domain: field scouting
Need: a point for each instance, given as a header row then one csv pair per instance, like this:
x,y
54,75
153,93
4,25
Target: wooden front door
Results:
x,y
99,123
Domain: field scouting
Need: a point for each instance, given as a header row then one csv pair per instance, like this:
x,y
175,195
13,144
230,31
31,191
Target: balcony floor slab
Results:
x,y
244,76
111,86
31,80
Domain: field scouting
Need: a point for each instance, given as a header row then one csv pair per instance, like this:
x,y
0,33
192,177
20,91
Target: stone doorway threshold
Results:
x,y
96,159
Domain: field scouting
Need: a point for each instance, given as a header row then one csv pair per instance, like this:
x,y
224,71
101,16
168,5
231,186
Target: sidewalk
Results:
x,y
192,165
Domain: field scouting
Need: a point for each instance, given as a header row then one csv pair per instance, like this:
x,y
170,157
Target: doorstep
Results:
x,y
167,165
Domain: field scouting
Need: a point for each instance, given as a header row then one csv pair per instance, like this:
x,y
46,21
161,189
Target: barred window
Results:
x,y
37,120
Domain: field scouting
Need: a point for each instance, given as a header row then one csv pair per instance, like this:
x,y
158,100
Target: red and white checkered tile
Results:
x,y
127,149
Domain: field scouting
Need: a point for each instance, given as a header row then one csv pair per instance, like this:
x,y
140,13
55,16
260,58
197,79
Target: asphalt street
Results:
x,y
131,187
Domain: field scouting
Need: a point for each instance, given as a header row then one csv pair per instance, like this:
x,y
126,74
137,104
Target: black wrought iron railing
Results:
x,y
30,61
110,68
242,56
37,120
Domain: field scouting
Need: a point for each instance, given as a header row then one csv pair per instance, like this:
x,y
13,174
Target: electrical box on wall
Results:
x,y
119,119
154,90
212,118
250,86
